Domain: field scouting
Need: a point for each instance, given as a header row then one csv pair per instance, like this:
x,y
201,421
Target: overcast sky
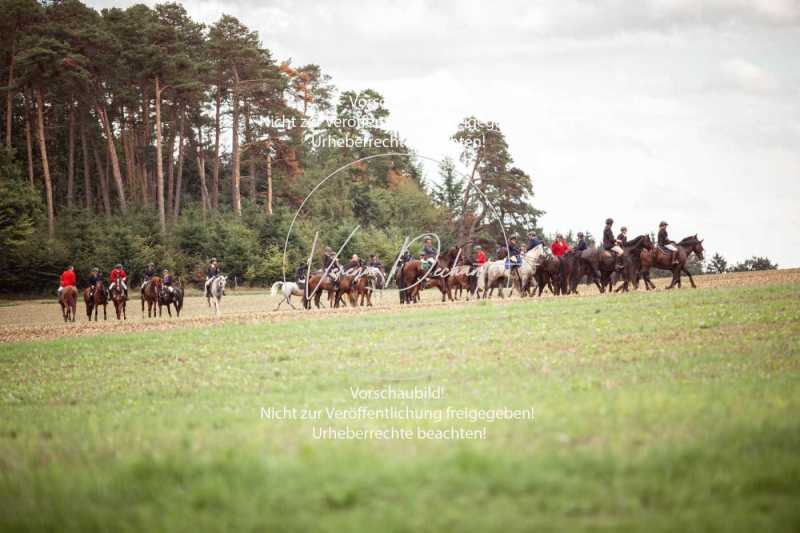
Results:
x,y
684,110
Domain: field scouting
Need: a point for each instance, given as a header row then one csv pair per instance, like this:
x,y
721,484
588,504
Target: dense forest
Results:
x,y
137,135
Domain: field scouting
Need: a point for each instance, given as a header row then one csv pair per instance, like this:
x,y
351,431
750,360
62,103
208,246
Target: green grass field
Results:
x,y
661,411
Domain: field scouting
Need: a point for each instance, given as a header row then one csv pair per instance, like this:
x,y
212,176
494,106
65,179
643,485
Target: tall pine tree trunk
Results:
x,y
71,156
159,163
102,180
48,184
146,145
113,159
269,177
251,160
236,199
171,169
179,183
87,180
215,163
201,170
28,141
10,95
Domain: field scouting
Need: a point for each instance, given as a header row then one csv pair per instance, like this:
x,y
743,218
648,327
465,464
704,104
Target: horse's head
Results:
x,y
647,243
221,280
693,244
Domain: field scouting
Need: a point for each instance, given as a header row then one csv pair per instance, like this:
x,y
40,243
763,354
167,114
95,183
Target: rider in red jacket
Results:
x,y
118,273
67,279
480,256
559,246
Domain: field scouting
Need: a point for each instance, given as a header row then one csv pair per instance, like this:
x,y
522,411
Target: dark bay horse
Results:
x,y
69,303
117,294
548,273
169,298
631,259
94,299
150,294
660,259
595,263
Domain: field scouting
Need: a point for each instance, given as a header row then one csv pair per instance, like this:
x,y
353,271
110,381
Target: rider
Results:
x,y
609,242
374,262
67,279
167,280
480,256
118,273
559,246
582,244
353,265
514,253
533,241
622,238
666,244
330,264
149,272
428,253
300,274
94,277
211,272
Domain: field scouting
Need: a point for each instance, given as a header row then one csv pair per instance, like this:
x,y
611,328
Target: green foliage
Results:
x,y
717,265
755,263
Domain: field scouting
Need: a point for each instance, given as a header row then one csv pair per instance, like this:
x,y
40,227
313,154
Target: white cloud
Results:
x,y
748,76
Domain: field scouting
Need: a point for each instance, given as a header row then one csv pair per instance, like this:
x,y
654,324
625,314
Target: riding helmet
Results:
x,y
609,221
663,223
580,234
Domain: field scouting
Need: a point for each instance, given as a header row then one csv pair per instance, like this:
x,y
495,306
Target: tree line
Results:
x,y
139,134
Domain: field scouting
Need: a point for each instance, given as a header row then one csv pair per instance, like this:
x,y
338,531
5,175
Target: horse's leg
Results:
x,y
691,280
105,316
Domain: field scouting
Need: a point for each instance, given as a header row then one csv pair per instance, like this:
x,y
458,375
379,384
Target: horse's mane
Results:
x,y
690,240
633,242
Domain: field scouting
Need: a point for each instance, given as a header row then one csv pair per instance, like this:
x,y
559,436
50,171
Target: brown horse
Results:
x,y
69,303
117,294
367,282
150,294
411,273
94,299
660,259
317,283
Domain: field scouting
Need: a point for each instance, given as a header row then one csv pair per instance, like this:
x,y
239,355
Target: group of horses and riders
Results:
x,y
157,291
558,267
352,283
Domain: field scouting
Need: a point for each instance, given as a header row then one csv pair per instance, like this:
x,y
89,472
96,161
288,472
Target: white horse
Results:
x,y
216,290
495,272
288,289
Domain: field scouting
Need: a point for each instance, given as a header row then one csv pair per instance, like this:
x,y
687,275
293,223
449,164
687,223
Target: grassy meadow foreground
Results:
x,y
653,411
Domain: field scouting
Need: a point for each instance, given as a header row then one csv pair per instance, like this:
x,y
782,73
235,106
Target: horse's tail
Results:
x,y
275,288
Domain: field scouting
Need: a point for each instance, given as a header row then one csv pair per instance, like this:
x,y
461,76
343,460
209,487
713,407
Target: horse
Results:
x,y
215,291
68,299
318,282
117,294
631,260
173,297
95,299
569,263
150,294
597,263
371,278
411,272
548,274
495,271
660,259
460,280
288,289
